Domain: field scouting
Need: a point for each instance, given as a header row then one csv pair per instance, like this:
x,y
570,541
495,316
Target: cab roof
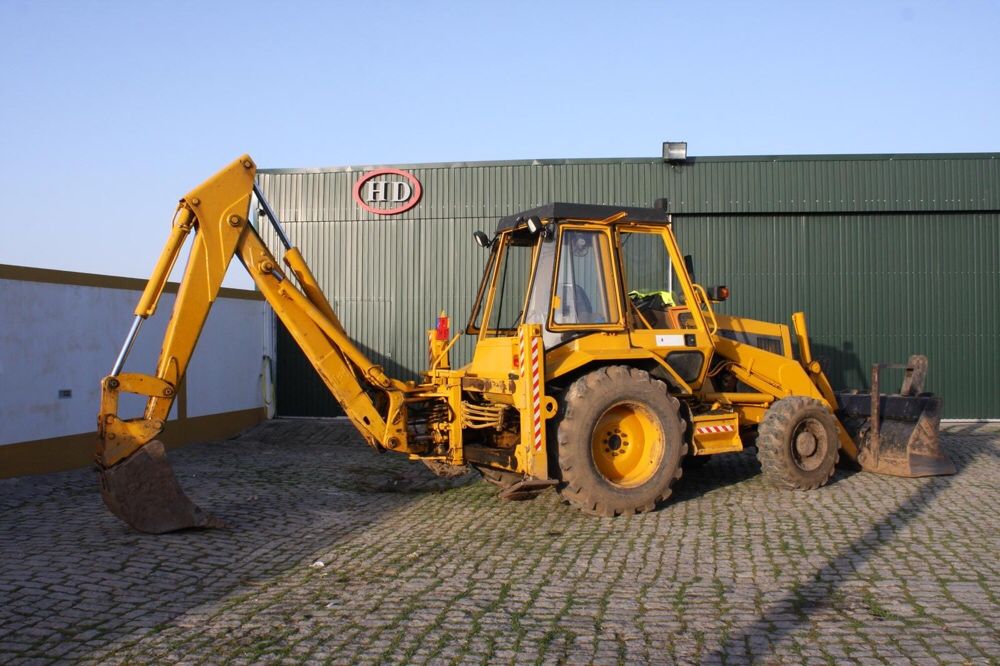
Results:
x,y
562,211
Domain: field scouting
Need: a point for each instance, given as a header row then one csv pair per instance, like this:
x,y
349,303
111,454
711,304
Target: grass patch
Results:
x,y
875,609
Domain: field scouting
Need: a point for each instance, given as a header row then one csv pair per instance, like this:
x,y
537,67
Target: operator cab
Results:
x,y
577,269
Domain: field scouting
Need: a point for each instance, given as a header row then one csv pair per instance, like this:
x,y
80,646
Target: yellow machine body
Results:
x,y
599,366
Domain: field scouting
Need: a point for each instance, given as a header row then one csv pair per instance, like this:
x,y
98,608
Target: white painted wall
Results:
x,y
224,374
55,336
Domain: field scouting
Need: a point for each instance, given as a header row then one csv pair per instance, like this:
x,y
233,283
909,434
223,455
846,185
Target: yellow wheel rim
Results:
x,y
627,444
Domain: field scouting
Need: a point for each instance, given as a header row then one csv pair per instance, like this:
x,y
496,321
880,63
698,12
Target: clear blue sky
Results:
x,y
112,110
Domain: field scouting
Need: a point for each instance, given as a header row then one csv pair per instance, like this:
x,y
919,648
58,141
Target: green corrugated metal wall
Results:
x,y
887,255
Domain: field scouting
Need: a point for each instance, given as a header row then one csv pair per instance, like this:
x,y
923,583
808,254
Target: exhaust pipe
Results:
x,y
897,434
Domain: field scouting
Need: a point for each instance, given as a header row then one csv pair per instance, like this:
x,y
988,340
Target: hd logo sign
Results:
x,y
387,191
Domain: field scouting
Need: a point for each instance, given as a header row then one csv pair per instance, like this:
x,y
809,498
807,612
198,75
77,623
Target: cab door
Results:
x,y
658,297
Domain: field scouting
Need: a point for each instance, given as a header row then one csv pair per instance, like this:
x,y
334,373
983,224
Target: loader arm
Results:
x,y
895,434
136,481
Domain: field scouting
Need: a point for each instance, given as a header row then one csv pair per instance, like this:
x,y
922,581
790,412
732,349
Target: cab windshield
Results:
x,y
510,268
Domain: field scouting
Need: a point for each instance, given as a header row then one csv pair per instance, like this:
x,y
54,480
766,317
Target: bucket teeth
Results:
x,y
143,491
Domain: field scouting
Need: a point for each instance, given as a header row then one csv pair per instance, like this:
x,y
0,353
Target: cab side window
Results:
x,y
650,277
582,289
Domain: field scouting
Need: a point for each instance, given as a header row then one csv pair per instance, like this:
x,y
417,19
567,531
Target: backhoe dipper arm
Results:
x,y
345,370
216,210
136,480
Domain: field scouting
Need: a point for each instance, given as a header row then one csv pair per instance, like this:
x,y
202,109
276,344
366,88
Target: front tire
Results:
x,y
797,443
620,442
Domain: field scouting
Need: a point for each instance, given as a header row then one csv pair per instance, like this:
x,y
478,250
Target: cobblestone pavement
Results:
x,y
335,553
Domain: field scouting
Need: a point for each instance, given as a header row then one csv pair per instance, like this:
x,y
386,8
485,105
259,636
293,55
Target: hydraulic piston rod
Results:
x,y
262,200
182,224
127,347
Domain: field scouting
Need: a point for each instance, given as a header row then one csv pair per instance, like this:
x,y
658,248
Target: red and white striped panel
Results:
x,y
711,430
536,391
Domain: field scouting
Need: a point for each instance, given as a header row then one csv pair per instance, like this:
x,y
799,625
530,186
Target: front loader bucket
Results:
x,y
143,491
897,434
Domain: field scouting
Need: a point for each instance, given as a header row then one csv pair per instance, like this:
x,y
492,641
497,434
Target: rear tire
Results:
x,y
797,443
620,442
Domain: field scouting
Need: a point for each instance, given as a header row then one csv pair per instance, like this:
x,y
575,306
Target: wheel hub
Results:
x,y
809,444
615,443
805,444
627,445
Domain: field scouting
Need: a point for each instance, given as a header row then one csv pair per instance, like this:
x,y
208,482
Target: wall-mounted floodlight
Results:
x,y
675,151
482,240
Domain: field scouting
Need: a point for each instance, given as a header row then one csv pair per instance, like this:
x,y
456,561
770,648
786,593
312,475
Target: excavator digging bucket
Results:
x,y
897,434
143,491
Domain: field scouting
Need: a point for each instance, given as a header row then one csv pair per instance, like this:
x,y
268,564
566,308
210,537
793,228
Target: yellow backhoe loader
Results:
x,y
599,367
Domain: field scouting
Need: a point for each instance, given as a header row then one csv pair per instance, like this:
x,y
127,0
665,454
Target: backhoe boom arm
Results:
x,y
216,211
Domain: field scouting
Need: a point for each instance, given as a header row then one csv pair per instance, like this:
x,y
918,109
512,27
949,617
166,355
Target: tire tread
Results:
x,y
771,443
588,497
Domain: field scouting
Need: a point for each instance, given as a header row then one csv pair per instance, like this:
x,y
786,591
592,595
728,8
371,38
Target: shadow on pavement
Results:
x,y
716,473
74,579
728,469
820,591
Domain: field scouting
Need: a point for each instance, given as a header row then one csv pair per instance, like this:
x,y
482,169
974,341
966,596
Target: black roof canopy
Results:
x,y
561,211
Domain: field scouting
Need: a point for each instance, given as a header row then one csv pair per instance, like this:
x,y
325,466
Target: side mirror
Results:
x,y
689,266
482,240
718,294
